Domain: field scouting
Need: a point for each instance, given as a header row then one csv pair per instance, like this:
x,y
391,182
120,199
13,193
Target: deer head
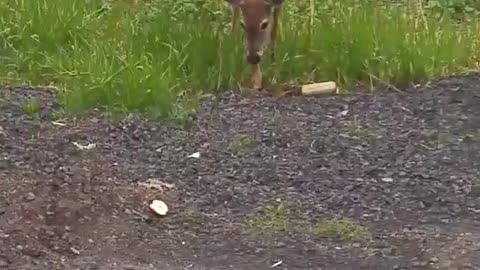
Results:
x,y
256,16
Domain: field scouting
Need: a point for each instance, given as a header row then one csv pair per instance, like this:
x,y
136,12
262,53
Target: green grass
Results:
x,y
158,56
344,229
241,142
272,219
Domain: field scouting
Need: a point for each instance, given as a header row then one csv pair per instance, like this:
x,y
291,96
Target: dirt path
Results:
x,y
354,182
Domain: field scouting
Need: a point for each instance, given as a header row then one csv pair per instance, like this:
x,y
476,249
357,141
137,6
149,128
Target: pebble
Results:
x,y
75,251
422,204
30,197
325,175
387,179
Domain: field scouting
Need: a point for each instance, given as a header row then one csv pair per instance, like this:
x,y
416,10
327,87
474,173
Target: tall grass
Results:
x,y
143,55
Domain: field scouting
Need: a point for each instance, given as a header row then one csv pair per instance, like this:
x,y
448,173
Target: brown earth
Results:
x,y
403,169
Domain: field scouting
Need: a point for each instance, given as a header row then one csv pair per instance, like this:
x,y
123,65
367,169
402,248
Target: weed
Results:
x,y
242,141
32,108
437,140
274,219
189,215
126,55
344,229
358,131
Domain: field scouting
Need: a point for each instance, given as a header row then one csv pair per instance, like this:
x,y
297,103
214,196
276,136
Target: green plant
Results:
x,y
32,108
272,219
147,57
240,142
344,229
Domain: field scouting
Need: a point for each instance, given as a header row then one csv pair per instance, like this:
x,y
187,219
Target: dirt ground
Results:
x,y
385,181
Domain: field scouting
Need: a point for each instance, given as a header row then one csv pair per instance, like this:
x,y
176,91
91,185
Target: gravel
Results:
x,y
404,167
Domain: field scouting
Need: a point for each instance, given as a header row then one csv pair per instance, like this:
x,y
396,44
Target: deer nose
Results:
x,y
253,58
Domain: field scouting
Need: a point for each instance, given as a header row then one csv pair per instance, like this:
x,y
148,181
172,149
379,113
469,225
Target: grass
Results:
x,y
273,219
159,57
240,142
31,108
343,229
360,132
279,219
355,130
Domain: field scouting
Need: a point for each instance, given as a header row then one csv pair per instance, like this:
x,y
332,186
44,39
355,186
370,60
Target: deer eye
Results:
x,y
264,25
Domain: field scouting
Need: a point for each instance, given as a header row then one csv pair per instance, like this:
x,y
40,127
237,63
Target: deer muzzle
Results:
x,y
253,58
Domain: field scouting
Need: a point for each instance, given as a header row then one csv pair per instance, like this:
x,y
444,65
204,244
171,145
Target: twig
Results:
x,y
387,84
142,216
311,147
276,264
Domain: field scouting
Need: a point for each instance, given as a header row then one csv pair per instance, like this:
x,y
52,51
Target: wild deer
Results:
x,y
260,23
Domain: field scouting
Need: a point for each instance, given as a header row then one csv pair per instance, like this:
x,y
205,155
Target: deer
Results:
x,y
260,23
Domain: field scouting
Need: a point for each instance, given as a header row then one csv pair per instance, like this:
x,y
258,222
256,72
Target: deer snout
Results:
x,y
253,58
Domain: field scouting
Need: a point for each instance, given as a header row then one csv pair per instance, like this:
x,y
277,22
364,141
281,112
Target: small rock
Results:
x,y
417,263
422,204
434,260
75,251
445,220
30,197
387,179
2,211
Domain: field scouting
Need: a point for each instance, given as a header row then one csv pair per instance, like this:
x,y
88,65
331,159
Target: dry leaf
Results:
x,y
194,155
157,184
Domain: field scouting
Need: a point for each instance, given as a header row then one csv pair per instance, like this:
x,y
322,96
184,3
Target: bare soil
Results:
x,y
403,168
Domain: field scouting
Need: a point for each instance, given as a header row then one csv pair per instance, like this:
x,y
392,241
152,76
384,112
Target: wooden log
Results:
x,y
319,88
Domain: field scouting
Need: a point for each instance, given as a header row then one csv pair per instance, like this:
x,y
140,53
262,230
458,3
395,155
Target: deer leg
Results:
x,y
273,32
257,77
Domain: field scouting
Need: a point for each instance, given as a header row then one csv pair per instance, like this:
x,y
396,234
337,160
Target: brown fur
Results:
x,y
256,14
